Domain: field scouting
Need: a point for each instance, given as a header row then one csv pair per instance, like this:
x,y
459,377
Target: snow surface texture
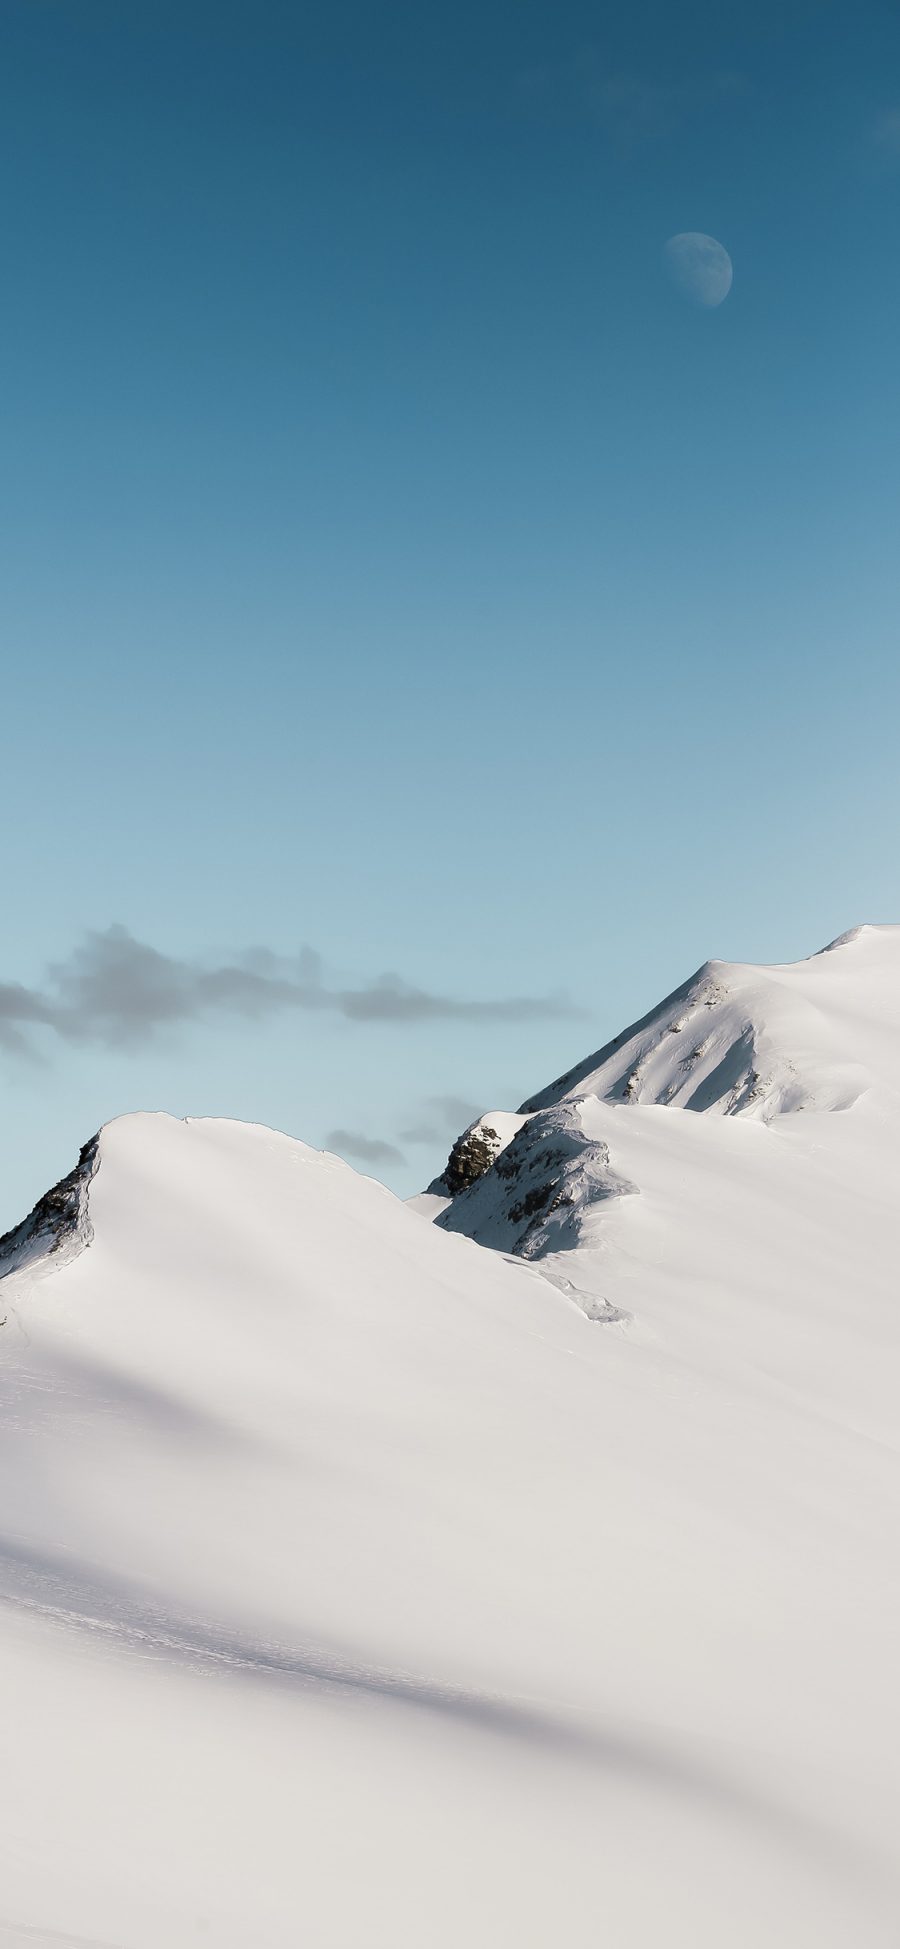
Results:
x,y
359,1591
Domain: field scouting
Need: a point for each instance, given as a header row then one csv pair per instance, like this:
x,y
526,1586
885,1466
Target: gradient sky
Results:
x,y
395,565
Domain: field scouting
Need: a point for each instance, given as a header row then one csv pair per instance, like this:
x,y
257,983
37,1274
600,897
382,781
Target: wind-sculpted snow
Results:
x,y
359,1586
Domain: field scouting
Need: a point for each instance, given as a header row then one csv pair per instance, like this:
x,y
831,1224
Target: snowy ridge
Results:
x,y
358,1587
759,1041
733,1040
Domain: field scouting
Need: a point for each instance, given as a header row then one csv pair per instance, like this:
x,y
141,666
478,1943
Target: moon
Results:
x,y
699,267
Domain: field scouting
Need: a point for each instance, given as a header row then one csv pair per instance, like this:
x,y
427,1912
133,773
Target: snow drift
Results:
x,y
358,1588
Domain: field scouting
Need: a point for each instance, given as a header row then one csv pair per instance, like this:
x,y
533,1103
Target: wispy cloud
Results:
x,y
442,1117
21,1009
370,1150
117,990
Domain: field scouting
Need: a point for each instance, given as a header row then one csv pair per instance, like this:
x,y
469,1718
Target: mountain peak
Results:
x,y
733,1040
736,1038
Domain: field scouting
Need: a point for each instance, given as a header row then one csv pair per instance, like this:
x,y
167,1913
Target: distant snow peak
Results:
x,y
733,1040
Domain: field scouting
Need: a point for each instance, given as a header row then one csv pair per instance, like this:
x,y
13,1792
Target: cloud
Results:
x,y
119,991
444,1116
371,1150
20,1008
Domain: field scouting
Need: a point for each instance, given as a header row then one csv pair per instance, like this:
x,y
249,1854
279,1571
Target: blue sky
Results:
x,y
394,564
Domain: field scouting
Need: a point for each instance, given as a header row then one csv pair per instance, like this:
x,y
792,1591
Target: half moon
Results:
x,y
700,267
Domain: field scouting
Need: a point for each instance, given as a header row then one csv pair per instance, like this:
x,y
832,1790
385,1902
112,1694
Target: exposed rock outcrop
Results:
x,y
473,1153
532,1198
59,1221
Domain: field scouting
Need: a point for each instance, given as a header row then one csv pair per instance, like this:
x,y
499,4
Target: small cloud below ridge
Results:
x,y
442,1117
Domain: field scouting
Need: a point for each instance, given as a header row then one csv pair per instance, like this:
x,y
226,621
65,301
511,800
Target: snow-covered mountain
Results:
x,y
359,1586
811,1035
815,1035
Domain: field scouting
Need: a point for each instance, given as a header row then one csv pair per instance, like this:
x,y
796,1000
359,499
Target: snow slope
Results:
x,y
357,1588
809,1035
815,1035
